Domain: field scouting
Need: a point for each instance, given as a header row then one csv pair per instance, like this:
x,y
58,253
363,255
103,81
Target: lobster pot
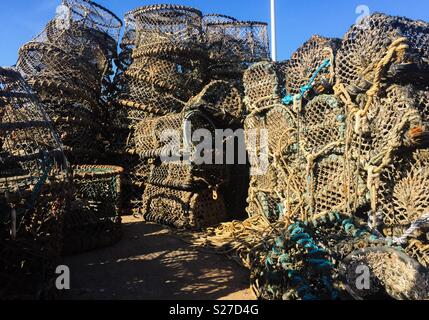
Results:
x,y
80,24
394,121
216,18
138,93
261,84
172,135
33,191
183,209
333,186
128,43
187,175
54,73
178,74
168,29
322,125
79,131
368,42
306,61
423,106
95,217
233,44
272,131
267,204
223,100
402,197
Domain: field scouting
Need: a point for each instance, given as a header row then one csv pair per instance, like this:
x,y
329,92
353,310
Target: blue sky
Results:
x,y
297,19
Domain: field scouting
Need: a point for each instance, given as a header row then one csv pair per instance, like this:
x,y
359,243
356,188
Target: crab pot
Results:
x,y
262,87
233,45
94,220
183,209
168,29
34,184
367,43
306,61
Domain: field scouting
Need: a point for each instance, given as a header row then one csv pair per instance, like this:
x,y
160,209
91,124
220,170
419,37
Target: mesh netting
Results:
x,y
323,122
52,72
138,93
403,195
261,85
182,209
306,61
128,43
33,190
223,100
95,216
168,29
419,250
393,121
174,73
233,44
366,43
171,134
188,176
392,273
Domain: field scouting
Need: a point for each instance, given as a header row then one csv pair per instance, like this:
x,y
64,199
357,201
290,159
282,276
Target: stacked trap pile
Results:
x,y
157,73
347,154
34,190
69,65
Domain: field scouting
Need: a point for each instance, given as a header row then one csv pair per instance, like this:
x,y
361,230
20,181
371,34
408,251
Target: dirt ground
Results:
x,y
148,263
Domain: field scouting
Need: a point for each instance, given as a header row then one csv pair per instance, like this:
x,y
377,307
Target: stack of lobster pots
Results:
x,y
69,66
170,99
347,143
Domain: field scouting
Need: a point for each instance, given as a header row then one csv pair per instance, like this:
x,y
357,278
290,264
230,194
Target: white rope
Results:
x,y
416,225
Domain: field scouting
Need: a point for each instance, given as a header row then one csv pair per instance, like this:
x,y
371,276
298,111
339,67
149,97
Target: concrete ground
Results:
x,y
148,264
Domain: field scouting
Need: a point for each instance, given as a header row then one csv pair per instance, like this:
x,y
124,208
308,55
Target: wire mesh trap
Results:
x,y
34,185
234,44
94,219
173,135
183,209
262,88
168,29
365,46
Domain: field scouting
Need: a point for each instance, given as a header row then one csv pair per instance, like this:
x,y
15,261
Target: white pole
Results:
x,y
273,31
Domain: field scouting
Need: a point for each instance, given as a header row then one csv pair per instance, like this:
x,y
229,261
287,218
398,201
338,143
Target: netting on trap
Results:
x,y
402,195
419,250
128,43
52,72
238,41
95,216
394,120
273,132
34,185
168,29
265,203
187,175
183,209
91,15
392,274
79,131
367,43
306,61
333,186
322,125
261,84
138,93
175,73
223,100
173,135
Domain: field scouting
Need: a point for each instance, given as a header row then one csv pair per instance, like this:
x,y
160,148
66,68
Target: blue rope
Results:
x,y
47,164
303,90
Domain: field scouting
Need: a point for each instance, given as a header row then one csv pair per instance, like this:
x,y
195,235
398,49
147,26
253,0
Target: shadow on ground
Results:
x,y
150,264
